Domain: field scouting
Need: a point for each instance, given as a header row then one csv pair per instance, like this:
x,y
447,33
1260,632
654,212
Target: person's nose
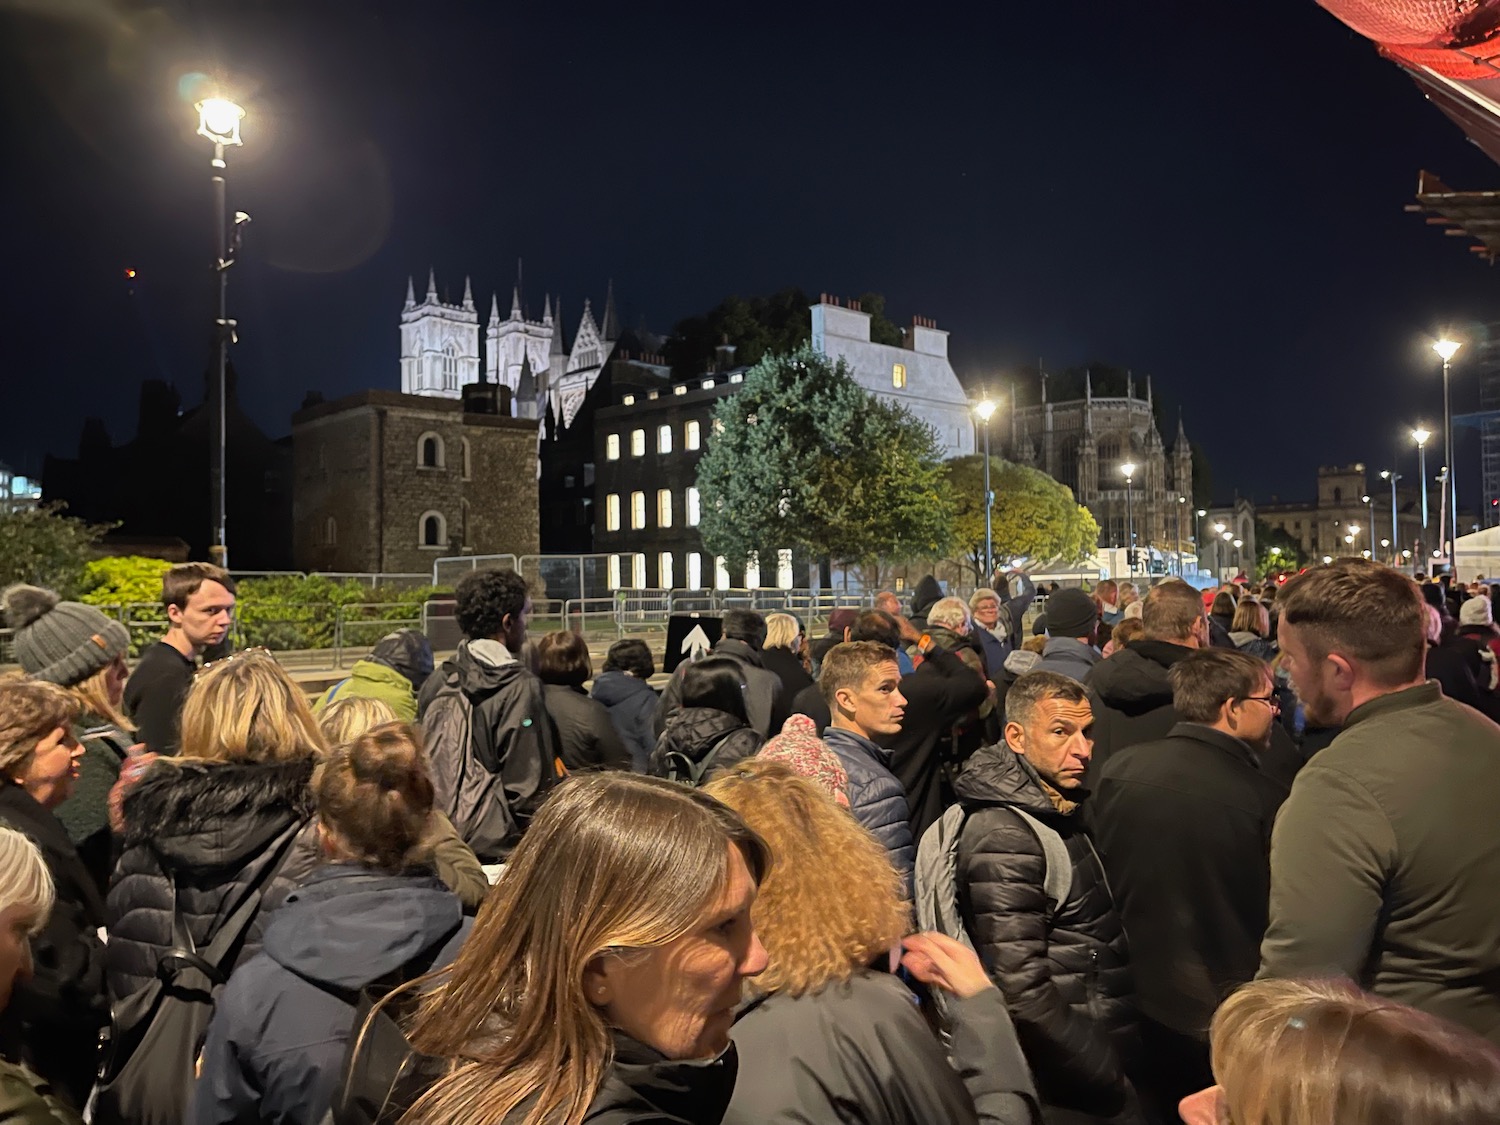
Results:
x,y
897,699
756,958
76,750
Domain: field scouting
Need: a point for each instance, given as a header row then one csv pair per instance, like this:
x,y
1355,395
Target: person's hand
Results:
x,y
938,960
908,630
137,761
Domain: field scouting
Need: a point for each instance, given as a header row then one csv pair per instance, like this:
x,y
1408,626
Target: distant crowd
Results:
x,y
1223,857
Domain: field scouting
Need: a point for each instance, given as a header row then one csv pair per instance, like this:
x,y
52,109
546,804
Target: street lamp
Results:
x,y
1420,436
1198,539
985,408
219,122
1447,349
1128,468
1392,476
1181,500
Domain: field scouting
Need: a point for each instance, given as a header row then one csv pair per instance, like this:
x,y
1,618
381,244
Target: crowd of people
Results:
x,y
1179,855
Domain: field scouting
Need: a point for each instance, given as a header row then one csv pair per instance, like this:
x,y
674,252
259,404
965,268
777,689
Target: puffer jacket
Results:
x,y
765,702
278,1035
697,732
632,706
586,737
219,829
876,796
1065,976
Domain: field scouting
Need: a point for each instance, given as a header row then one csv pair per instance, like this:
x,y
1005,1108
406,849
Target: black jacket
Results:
x,y
52,1022
219,828
632,707
1184,824
860,1051
926,594
277,1040
697,731
1131,698
942,692
643,1087
786,666
764,701
510,738
586,738
1065,976
154,695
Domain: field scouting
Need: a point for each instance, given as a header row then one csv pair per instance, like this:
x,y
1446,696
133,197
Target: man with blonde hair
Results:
x,y
1384,860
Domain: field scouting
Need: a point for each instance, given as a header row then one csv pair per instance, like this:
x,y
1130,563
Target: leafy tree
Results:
x,y
1034,518
805,458
883,330
43,546
1276,550
756,326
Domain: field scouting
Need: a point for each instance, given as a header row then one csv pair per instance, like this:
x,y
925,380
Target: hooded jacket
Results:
x,y
697,731
1132,698
586,738
764,701
1068,656
219,829
277,1040
371,679
859,1050
926,594
1064,974
876,797
632,706
940,694
490,787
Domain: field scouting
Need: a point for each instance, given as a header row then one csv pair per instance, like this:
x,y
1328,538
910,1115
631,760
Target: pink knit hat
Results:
x,y
799,747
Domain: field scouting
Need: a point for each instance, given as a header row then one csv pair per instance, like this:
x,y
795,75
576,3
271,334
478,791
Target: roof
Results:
x,y
1472,214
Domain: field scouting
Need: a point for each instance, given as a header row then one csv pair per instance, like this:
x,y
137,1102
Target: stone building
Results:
x,y
1352,514
388,482
1083,443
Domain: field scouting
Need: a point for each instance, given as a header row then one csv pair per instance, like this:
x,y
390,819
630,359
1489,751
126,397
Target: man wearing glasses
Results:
x,y
1184,823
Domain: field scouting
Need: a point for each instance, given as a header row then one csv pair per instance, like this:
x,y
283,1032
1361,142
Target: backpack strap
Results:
x,y
210,963
1057,882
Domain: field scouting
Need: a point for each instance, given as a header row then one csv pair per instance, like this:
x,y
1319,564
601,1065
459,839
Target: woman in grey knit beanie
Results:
x,y
82,650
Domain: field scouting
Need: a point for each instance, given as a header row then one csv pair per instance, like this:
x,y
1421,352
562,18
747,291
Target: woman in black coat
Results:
x,y
586,737
782,654
53,1021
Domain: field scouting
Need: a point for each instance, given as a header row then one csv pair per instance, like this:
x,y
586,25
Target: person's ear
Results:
x,y
1203,1108
847,630
174,615
1015,737
1343,671
596,983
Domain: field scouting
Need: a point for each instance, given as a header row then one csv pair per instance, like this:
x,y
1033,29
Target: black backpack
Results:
x,y
680,766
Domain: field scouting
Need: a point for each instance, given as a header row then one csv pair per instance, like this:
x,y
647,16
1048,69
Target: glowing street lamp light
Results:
x,y
1446,350
1420,436
1128,469
985,409
219,120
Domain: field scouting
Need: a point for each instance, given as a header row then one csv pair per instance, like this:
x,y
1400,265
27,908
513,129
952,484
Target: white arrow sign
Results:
x,y
696,643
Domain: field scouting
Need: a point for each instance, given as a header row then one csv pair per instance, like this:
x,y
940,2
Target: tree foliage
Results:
x,y
804,458
1290,556
46,548
1034,519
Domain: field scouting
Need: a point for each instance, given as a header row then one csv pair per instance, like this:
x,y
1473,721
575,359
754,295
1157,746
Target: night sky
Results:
x,y
1173,187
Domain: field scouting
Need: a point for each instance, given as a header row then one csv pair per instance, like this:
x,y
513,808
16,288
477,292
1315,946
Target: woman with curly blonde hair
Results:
x,y
1321,1052
831,1034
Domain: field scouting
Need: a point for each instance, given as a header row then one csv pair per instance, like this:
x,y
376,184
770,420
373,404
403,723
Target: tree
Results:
x,y
46,548
1035,519
1276,550
804,458
756,326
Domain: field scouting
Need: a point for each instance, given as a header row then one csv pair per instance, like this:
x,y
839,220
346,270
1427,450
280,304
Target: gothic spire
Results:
x,y
494,308
1148,390
515,302
547,309
468,294
609,329
1130,384
431,284
558,346
1044,388
411,294
1088,402
1182,439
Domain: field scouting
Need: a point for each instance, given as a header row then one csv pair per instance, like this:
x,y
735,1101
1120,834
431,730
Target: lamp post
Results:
x,y
1128,468
1222,535
1198,538
985,408
1239,557
219,122
1181,500
1392,476
1420,436
1447,349
1369,502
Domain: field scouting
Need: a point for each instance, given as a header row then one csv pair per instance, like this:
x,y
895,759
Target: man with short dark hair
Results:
x,y
492,748
1062,965
199,600
742,635
1384,860
1184,824
862,687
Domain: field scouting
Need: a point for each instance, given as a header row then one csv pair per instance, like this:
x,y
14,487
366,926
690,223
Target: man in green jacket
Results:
x,y
399,664
1385,859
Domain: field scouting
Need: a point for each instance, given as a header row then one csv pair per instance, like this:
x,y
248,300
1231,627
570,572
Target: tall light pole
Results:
x,y
1181,500
1221,536
985,408
1420,436
1198,537
1128,468
1447,349
219,122
1392,476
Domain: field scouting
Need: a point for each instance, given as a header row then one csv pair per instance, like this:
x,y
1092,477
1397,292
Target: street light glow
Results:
x,y
1202,512
1128,468
1238,543
1385,542
1420,435
1446,348
985,408
1276,552
1327,559
1219,527
219,120
1227,536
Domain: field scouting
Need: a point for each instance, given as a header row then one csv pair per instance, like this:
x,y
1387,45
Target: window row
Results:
x,y
633,572
692,438
432,453
664,507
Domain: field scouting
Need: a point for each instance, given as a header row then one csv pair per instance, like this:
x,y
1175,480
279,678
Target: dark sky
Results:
x,y
1167,186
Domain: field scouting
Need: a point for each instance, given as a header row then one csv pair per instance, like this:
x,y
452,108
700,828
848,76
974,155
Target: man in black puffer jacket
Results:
x,y
1062,966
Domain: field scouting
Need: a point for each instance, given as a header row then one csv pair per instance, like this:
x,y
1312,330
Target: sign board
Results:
x,y
689,637
440,625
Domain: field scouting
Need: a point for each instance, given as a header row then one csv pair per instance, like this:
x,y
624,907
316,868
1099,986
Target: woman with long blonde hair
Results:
x,y
1321,1052
601,978
828,1008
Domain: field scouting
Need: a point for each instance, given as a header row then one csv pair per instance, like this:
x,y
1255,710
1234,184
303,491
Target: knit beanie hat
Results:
x,y
799,746
1071,613
1476,611
61,642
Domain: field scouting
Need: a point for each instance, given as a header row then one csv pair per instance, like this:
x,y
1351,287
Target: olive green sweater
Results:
x,y
1385,860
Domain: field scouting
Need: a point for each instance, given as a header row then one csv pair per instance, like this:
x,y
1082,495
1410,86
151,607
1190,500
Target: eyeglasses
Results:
x,y
1268,700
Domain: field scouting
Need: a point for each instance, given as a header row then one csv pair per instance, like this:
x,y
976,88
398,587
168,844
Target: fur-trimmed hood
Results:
x,y
210,814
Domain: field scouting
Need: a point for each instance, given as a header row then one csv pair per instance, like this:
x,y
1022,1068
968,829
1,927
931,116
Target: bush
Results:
x,y
289,612
131,586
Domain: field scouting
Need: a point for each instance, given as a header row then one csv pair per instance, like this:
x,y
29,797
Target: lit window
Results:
x,y
638,571
708,384
752,572
638,443
898,375
612,512
692,507
612,447
736,378
627,400
718,426
637,510
664,439
690,435
614,572
721,573
694,571
664,508
652,395
664,570
784,569
680,389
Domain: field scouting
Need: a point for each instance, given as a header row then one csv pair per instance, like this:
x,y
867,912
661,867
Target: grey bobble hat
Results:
x,y
61,642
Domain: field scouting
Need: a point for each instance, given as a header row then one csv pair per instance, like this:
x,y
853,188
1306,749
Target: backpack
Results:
x,y
157,1033
935,878
680,766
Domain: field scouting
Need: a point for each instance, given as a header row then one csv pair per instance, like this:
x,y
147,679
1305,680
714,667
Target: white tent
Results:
x,y
1478,554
